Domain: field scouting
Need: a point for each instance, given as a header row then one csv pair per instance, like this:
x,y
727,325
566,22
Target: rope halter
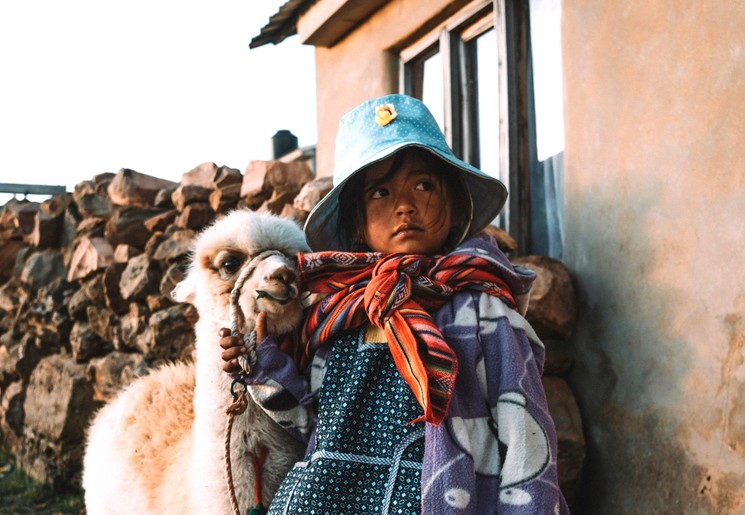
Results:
x,y
238,319
238,388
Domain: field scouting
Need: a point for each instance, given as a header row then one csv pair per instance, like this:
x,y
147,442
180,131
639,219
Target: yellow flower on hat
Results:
x,y
385,114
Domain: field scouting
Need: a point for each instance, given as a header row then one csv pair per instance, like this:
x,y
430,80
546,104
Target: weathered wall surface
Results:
x,y
655,239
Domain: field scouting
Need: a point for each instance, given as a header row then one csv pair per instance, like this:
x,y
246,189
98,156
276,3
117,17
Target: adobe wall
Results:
x,y
361,66
655,239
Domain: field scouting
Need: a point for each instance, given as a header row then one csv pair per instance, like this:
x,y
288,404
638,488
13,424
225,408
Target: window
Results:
x,y
495,89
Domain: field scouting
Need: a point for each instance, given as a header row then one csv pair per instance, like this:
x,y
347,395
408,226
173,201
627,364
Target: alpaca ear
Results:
x,y
186,290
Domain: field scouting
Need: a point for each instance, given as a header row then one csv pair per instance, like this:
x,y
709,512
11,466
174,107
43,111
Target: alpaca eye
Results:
x,y
231,264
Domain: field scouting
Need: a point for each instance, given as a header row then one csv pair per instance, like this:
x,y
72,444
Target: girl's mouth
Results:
x,y
406,229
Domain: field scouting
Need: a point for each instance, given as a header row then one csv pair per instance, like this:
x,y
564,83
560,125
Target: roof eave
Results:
x,y
282,24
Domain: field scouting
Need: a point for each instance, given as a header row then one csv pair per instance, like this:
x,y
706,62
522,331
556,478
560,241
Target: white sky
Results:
x,y
92,86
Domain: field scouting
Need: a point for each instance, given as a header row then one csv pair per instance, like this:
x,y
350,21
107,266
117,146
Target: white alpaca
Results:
x,y
158,447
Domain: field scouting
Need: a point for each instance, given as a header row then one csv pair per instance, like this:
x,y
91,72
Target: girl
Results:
x,y
418,388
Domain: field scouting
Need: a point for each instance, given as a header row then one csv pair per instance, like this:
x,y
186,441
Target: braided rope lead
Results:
x,y
247,362
238,406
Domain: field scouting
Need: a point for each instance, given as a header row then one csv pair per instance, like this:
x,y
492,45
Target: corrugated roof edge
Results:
x,y
282,24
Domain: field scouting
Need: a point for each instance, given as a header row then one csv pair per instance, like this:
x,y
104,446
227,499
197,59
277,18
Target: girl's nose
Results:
x,y
404,208
405,205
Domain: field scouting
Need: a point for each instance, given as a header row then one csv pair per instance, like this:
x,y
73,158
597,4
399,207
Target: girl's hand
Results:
x,y
234,346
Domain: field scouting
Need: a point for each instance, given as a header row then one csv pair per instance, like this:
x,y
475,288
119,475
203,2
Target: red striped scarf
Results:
x,y
397,293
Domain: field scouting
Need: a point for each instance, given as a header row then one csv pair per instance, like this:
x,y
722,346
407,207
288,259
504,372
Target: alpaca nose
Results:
x,y
284,275
284,288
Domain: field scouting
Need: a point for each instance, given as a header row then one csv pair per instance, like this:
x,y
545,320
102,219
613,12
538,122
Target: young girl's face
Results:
x,y
407,210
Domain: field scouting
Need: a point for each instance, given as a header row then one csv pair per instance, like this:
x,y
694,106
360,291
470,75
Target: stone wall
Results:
x,y
85,306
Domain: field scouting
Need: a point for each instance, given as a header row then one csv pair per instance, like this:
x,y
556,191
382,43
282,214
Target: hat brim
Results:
x,y
488,196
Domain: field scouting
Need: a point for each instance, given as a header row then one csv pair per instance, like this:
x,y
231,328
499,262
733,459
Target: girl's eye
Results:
x,y
379,193
425,185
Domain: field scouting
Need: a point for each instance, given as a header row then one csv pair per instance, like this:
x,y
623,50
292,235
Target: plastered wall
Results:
x,y
655,238
364,65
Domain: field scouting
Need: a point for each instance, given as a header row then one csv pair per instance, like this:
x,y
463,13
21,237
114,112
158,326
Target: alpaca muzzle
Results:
x,y
290,293
276,283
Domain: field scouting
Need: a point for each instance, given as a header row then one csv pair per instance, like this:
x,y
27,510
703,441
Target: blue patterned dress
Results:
x,y
367,458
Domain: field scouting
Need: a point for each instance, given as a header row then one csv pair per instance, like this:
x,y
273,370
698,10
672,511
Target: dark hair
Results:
x,y
352,209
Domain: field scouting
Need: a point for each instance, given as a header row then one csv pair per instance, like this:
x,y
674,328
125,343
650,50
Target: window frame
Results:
x,y
510,20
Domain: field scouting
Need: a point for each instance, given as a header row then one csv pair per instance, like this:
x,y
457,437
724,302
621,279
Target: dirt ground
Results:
x,y
20,494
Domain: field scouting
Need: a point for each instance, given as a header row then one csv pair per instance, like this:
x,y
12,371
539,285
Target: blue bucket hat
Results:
x,y
377,129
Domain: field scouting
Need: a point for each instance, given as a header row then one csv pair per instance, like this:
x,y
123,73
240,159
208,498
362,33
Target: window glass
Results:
x,y
547,165
545,41
433,94
462,68
487,78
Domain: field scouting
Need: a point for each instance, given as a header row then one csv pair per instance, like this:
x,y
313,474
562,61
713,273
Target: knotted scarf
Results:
x,y
397,293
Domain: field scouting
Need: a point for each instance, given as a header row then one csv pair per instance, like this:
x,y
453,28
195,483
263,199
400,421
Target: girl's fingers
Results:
x,y
231,367
227,342
260,327
232,353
